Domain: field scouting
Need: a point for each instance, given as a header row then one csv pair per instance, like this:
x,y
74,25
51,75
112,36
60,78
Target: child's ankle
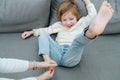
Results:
x,y
89,34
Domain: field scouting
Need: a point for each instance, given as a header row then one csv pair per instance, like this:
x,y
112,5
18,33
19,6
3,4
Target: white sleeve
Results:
x,y
8,65
6,79
50,30
30,78
85,21
91,11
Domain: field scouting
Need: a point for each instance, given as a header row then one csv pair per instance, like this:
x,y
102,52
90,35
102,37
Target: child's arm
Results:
x,y
92,12
90,9
50,30
26,34
87,2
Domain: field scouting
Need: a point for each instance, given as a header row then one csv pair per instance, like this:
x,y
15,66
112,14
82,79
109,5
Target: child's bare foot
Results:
x,y
98,25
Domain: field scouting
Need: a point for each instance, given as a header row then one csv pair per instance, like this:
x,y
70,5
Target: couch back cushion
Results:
x,y
112,27
21,15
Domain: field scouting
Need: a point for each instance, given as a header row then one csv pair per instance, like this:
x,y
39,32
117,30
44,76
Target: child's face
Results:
x,y
68,19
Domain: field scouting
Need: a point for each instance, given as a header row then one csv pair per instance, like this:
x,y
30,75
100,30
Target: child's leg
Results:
x,y
98,25
73,56
48,46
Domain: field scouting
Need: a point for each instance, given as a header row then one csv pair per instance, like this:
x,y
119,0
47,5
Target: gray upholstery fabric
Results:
x,y
115,19
12,46
21,15
100,60
112,28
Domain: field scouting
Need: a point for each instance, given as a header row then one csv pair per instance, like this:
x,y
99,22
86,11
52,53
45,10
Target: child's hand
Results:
x,y
26,34
86,1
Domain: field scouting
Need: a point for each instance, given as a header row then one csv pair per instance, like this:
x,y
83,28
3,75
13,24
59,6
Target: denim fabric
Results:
x,y
48,46
65,55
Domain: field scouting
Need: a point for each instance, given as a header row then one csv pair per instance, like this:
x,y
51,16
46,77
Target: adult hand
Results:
x,y
47,64
51,67
46,75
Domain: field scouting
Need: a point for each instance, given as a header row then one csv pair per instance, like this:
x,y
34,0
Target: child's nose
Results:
x,y
69,23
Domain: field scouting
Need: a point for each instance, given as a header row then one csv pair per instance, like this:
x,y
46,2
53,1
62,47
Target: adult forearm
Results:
x,y
8,65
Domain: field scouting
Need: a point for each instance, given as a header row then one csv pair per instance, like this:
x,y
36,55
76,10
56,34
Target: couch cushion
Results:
x,y
21,15
112,27
100,60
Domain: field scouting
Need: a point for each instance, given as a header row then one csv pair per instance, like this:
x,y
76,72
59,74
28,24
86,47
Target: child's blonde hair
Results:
x,y
68,5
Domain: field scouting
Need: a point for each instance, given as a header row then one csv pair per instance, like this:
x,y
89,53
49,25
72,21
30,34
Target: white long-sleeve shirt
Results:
x,y
66,35
8,65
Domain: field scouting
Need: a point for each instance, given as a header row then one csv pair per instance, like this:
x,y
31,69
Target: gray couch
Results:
x,y
100,60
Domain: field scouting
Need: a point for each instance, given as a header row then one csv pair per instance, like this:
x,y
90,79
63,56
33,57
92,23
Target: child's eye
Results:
x,y
64,19
71,18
